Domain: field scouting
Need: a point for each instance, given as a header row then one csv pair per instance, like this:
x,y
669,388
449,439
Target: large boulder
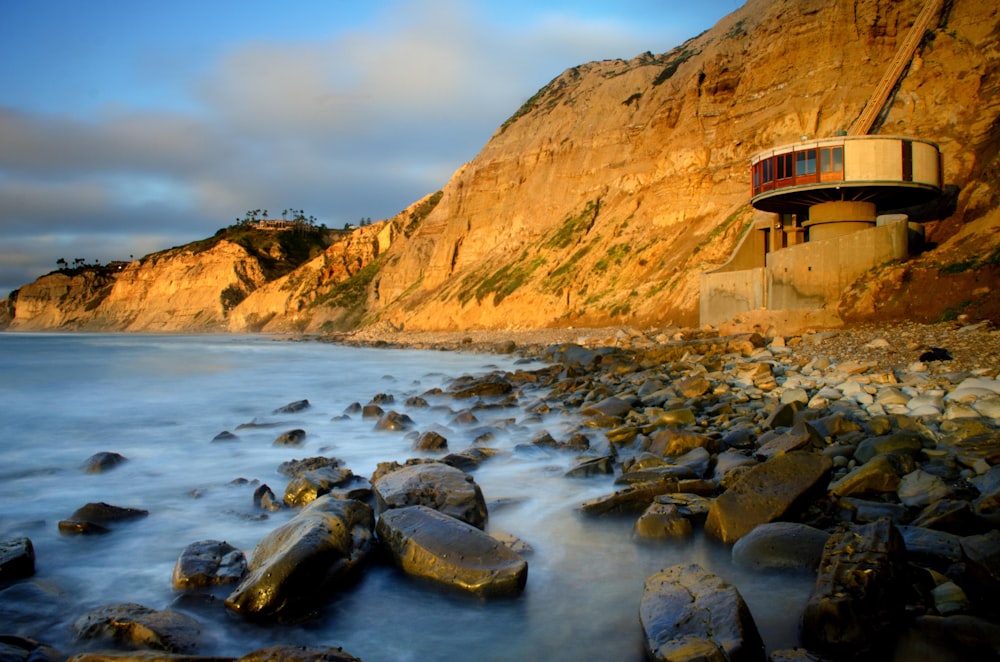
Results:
x,y
433,484
207,563
427,543
781,546
97,517
857,598
298,563
17,559
765,493
688,613
311,484
137,627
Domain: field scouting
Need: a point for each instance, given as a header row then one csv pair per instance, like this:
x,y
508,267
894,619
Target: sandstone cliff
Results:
x,y
604,197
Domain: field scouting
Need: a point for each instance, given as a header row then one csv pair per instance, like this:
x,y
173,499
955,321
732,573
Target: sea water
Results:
x,y
160,401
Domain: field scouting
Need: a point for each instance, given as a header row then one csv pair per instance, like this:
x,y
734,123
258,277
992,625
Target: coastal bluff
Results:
x,y
605,196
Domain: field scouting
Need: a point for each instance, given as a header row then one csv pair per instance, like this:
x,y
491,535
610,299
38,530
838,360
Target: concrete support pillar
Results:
x,y
835,219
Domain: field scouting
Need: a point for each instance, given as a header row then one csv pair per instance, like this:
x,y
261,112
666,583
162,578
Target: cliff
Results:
x,y
602,199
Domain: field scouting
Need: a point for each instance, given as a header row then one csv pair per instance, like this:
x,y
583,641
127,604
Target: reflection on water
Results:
x,y
160,400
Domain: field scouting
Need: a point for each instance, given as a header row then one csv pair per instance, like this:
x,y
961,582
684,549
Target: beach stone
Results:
x,y
265,499
433,484
431,441
135,626
293,468
393,421
311,484
225,435
796,394
371,410
688,613
96,517
780,546
858,591
594,466
613,407
100,462
955,637
765,493
17,559
902,443
862,511
936,549
293,407
426,543
881,474
633,499
951,515
783,415
294,566
671,442
950,599
691,506
982,553
490,386
207,563
289,653
798,437
692,387
662,521
294,437
15,648
919,488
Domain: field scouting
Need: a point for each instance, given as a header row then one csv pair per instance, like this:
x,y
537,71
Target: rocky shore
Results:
x,y
866,456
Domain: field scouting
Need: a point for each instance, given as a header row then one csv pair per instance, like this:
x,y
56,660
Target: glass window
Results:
x,y
831,159
768,174
838,159
784,166
805,162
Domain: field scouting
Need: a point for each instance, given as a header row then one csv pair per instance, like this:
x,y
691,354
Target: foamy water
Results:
x,y
159,401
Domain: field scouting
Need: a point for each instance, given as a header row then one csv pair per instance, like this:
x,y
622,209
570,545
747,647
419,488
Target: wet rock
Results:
x,y
880,474
293,468
613,407
100,462
863,511
593,466
633,499
383,399
14,648
265,499
288,653
311,484
371,411
135,626
857,598
691,506
671,442
961,637
435,485
491,386
295,437
694,386
781,546
208,563
17,559
297,564
936,549
983,554
766,493
225,435
687,613
799,437
662,521
97,517
393,421
919,488
431,441
951,515
470,458
426,543
293,407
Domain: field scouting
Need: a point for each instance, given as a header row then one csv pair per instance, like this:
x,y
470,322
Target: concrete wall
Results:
x,y
807,276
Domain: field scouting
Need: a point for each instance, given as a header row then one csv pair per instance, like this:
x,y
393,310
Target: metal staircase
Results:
x,y
904,54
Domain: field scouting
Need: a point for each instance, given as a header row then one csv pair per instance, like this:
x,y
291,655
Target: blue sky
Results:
x,y
130,127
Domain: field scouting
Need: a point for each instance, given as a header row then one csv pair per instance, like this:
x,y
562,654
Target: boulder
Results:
x,y
293,468
427,543
671,442
293,407
487,387
17,559
295,437
314,483
294,566
207,563
781,546
137,627
633,499
879,474
96,517
431,441
662,521
936,549
858,595
433,484
393,421
14,648
765,493
288,653
100,462
688,613
264,498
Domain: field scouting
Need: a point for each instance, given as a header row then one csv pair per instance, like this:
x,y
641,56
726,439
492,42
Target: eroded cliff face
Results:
x,y
610,191
606,195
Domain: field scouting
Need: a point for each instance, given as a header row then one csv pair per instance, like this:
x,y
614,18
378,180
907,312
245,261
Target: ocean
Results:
x,y
160,401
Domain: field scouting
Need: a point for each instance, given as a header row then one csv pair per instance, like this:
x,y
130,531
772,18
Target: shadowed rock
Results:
x,y
100,462
312,484
294,566
780,546
428,544
435,485
17,559
294,437
293,407
207,563
135,626
287,653
96,517
690,614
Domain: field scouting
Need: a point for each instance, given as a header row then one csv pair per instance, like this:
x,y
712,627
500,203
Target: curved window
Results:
x,y
805,163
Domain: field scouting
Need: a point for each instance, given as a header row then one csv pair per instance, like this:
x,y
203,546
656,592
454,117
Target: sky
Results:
x,y
131,126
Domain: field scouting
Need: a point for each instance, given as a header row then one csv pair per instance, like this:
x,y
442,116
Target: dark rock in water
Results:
x,y
592,466
936,354
95,518
225,435
297,564
781,546
294,437
383,399
207,563
960,637
17,559
857,599
287,653
765,493
416,401
690,614
490,386
103,461
633,499
139,627
470,458
662,521
431,441
371,411
433,484
394,421
293,407
293,468
265,499
312,484
428,544
353,408
14,648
